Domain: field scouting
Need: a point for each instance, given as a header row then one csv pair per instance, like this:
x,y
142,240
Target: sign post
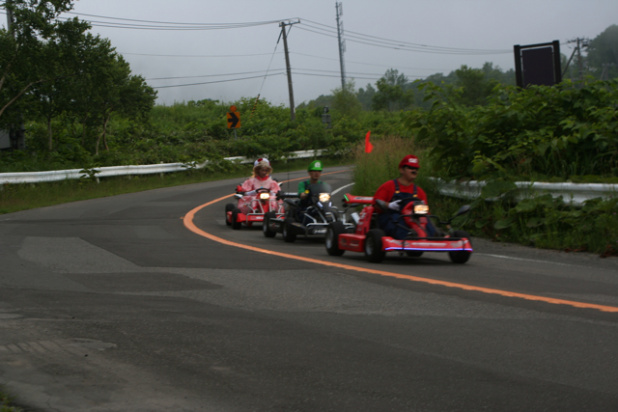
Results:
x,y
233,119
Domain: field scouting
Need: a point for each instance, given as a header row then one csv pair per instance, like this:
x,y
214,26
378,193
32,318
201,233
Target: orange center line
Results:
x,y
189,224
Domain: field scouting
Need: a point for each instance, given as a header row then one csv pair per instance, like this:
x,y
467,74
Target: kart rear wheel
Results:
x,y
331,240
373,246
460,256
228,208
235,223
288,231
266,227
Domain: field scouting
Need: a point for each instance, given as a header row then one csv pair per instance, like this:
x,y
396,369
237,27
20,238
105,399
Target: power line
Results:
x,y
207,56
118,22
308,26
215,81
301,72
361,38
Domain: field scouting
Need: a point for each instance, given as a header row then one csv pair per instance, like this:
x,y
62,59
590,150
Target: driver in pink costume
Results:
x,y
260,179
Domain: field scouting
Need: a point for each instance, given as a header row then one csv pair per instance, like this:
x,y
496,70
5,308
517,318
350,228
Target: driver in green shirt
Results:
x,y
315,171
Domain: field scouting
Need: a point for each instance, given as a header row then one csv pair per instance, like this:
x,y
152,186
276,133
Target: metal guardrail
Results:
x,y
573,193
110,171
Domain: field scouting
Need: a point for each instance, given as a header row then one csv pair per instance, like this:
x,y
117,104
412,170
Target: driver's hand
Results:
x,y
395,205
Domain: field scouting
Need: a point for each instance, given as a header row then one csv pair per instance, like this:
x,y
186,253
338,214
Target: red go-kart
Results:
x,y
368,238
258,206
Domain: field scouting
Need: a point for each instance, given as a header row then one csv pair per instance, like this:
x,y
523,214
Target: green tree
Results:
x,y
365,96
345,103
393,92
602,57
475,87
33,23
54,96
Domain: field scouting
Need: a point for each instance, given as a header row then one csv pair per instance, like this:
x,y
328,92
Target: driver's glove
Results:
x,y
250,193
394,205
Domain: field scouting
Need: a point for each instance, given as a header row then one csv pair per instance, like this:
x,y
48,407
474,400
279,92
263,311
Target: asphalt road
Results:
x,y
149,302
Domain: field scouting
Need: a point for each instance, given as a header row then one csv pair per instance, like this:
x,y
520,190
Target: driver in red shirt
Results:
x,y
397,193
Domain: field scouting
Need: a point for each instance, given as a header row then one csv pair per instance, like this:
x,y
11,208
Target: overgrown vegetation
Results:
x,y
564,132
6,403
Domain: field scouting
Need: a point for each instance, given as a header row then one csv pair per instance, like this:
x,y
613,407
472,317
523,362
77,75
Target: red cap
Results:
x,y
411,161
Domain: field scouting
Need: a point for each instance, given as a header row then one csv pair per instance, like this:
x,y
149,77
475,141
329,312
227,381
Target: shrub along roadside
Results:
x,y
541,221
563,131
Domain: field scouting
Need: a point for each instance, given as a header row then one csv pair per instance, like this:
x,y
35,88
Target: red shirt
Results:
x,y
387,191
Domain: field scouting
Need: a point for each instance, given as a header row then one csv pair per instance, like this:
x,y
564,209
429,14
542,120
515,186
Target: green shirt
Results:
x,y
304,186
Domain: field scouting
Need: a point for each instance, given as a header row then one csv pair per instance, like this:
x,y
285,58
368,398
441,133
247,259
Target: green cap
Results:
x,y
316,165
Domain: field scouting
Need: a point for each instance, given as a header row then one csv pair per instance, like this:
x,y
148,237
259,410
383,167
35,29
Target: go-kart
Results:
x,y
368,238
259,207
303,217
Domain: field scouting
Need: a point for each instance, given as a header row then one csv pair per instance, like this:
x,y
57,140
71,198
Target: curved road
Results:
x,y
148,302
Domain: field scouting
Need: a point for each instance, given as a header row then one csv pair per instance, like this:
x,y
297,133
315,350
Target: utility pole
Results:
x,y
580,42
339,9
287,65
9,18
580,62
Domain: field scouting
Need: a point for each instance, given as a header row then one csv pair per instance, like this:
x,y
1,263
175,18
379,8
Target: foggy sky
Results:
x,y
216,55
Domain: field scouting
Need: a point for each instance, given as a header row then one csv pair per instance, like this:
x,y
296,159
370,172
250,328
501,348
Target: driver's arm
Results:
x,y
303,190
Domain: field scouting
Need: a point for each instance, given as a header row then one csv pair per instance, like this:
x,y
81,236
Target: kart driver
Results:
x,y
397,193
261,179
315,171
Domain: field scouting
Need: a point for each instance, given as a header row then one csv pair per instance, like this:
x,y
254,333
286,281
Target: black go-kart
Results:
x,y
306,217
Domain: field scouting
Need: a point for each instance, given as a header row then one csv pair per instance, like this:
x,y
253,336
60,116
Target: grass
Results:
x,y
373,169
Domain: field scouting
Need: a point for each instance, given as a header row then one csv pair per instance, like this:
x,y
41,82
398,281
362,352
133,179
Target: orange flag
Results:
x,y
368,145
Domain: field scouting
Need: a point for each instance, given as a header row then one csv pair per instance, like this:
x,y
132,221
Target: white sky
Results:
x,y
217,56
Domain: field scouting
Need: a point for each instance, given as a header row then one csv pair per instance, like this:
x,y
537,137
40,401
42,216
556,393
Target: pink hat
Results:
x,y
410,161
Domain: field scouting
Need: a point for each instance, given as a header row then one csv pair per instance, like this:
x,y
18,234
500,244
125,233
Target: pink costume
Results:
x,y
248,202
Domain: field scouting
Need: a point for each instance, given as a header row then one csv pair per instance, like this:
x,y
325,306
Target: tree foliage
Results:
x,y
393,92
561,131
54,70
603,54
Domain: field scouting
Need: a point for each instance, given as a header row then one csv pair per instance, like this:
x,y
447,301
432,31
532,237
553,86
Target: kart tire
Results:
x,y
229,208
460,256
331,239
266,229
288,232
235,223
373,245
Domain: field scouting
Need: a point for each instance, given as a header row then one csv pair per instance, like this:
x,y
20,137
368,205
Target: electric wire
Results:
x,y
307,26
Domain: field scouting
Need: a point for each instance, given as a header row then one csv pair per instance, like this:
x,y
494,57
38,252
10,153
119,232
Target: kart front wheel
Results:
x,y
288,231
229,208
266,225
373,246
460,256
332,238
235,223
